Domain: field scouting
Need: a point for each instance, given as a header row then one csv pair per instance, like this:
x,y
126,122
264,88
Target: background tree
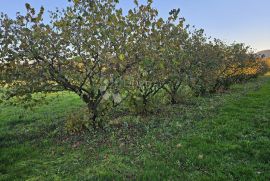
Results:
x,y
147,78
174,38
198,61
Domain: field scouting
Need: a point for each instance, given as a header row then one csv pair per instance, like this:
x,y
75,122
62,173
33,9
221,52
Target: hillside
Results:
x,y
265,52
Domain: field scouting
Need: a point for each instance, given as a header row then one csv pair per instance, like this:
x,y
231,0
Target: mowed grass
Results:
x,y
221,137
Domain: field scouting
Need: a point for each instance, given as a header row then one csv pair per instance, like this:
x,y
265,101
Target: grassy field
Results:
x,y
222,137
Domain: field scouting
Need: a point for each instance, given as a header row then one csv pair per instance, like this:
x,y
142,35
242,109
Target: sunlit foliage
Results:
x,y
105,57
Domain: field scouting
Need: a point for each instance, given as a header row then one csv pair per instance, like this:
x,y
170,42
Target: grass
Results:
x,y
221,137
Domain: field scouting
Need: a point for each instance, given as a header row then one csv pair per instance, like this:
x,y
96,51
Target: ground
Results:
x,y
219,137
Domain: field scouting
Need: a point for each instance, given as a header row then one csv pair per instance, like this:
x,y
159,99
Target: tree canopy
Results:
x,y
92,49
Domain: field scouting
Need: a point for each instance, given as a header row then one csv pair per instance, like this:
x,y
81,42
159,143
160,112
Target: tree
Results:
x,y
88,48
174,39
148,77
239,64
200,61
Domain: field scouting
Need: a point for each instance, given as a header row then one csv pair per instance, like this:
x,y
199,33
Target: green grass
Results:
x,y
221,137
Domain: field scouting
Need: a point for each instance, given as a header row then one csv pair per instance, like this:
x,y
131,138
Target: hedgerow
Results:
x,y
107,58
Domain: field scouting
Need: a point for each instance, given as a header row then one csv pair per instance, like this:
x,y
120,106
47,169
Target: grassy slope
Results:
x,y
202,141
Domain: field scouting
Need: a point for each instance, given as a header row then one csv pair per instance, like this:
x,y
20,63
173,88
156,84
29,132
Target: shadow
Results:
x,y
31,131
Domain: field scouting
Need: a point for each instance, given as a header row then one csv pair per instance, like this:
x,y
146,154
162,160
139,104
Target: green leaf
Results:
x,y
121,57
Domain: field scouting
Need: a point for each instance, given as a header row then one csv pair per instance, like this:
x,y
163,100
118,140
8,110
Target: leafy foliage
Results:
x,y
92,49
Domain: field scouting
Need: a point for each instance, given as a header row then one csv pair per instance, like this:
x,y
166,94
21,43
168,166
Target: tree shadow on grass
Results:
x,y
22,131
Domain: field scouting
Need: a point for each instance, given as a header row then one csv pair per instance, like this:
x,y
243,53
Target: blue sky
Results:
x,y
245,21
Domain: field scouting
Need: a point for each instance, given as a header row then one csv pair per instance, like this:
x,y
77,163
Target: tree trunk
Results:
x,y
144,105
172,91
174,94
93,114
173,99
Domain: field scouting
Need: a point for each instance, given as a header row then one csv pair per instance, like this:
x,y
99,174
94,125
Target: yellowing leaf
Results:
x,y
122,57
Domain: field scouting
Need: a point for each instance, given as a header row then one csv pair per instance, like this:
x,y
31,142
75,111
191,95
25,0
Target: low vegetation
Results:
x,y
220,137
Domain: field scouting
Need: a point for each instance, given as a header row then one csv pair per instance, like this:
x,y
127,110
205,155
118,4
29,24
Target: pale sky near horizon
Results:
x,y
246,21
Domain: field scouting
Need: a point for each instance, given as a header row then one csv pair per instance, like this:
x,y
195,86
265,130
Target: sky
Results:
x,y
245,21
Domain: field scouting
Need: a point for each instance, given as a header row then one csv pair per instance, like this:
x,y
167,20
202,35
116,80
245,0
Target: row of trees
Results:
x,y
93,50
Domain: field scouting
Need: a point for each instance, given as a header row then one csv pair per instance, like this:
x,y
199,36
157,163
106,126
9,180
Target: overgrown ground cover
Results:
x,y
221,137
